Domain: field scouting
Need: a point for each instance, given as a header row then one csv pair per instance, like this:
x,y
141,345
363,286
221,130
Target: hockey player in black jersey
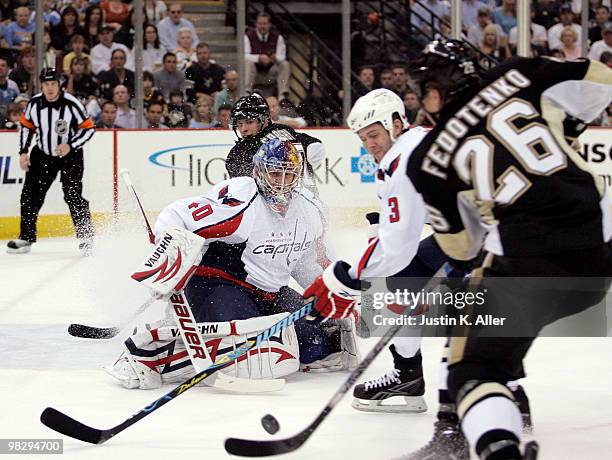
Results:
x,y
253,126
497,175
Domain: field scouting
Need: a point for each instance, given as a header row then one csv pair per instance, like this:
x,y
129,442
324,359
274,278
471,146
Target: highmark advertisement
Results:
x,y
169,164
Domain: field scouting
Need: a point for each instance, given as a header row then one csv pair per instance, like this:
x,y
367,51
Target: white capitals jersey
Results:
x,y
402,213
249,244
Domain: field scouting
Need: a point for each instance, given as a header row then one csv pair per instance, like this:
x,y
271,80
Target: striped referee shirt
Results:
x,y
64,121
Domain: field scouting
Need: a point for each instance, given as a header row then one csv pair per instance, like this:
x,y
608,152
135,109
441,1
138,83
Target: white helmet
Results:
x,y
378,106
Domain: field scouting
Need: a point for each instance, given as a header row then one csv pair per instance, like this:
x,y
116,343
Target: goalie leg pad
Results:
x,y
133,374
161,351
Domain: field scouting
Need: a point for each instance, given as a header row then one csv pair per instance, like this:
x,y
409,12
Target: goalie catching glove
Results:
x,y
336,292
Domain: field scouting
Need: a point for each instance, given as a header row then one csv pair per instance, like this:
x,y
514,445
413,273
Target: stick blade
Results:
x,y
252,448
68,426
90,332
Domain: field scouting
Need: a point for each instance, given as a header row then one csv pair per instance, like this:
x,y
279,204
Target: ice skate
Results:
x,y
448,443
18,246
86,246
399,390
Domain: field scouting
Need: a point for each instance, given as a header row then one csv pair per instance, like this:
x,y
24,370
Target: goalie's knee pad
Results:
x,y
161,350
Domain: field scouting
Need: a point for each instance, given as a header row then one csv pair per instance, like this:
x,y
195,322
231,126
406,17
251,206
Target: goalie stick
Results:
x,y
62,423
266,448
125,174
92,332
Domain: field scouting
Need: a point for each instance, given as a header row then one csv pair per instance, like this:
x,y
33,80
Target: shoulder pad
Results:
x,y
234,192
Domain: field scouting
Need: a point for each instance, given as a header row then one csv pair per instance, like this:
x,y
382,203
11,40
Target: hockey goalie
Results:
x,y
257,232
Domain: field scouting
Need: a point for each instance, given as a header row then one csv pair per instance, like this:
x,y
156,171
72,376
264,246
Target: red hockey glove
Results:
x,y
336,292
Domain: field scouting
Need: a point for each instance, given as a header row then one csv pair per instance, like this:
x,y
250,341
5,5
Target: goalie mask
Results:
x,y
277,171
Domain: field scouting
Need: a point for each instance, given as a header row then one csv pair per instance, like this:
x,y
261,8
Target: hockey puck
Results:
x,y
270,424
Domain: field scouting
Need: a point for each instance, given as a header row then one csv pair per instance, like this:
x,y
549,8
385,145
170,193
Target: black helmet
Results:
x,y
50,74
253,107
451,64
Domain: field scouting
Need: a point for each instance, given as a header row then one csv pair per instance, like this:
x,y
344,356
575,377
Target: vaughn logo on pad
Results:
x,y
170,265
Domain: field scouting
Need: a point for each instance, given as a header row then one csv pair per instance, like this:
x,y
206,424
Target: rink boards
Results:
x,y
169,164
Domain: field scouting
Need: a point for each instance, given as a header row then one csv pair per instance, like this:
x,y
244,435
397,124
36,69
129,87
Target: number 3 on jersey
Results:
x,y
200,212
394,215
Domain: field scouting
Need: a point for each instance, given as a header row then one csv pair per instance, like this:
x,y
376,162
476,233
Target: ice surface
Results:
x,y
569,383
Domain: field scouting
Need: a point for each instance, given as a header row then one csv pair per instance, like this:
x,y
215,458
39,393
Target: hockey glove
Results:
x,y
336,292
373,220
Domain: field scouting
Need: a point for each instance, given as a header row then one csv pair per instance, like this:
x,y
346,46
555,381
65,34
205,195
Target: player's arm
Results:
x,y
85,125
27,129
218,216
401,221
456,222
585,91
320,254
314,148
318,257
239,161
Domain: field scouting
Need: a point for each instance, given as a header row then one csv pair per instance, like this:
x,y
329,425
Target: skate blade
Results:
x,y
413,404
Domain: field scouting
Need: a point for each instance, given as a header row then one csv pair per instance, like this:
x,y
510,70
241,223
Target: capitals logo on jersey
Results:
x,y
280,244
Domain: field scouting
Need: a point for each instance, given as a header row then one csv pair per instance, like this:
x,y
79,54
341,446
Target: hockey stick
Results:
x,y
68,426
125,175
92,332
254,448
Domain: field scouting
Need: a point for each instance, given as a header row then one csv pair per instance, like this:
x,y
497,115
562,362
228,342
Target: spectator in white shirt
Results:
x,y
126,116
483,19
100,54
567,19
153,52
265,57
601,46
155,11
538,33
168,28
469,12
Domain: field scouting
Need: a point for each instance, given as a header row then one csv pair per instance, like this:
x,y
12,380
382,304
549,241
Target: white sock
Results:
x,y
407,347
493,413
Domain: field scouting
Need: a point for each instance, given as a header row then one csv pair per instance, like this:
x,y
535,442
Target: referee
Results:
x,y
62,127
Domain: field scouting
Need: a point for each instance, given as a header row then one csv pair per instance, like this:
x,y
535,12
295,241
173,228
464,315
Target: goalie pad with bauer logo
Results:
x,y
156,355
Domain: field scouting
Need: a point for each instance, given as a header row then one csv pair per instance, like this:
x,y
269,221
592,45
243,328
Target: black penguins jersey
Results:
x,y
239,161
497,171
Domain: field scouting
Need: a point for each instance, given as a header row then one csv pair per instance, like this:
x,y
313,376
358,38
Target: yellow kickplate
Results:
x,y
49,225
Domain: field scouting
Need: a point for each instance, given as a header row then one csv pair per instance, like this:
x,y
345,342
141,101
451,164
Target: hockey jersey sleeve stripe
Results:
x,y
363,262
393,166
221,229
225,227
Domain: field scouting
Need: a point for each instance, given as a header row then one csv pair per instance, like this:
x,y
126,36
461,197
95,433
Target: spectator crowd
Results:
x,y
491,27
92,43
